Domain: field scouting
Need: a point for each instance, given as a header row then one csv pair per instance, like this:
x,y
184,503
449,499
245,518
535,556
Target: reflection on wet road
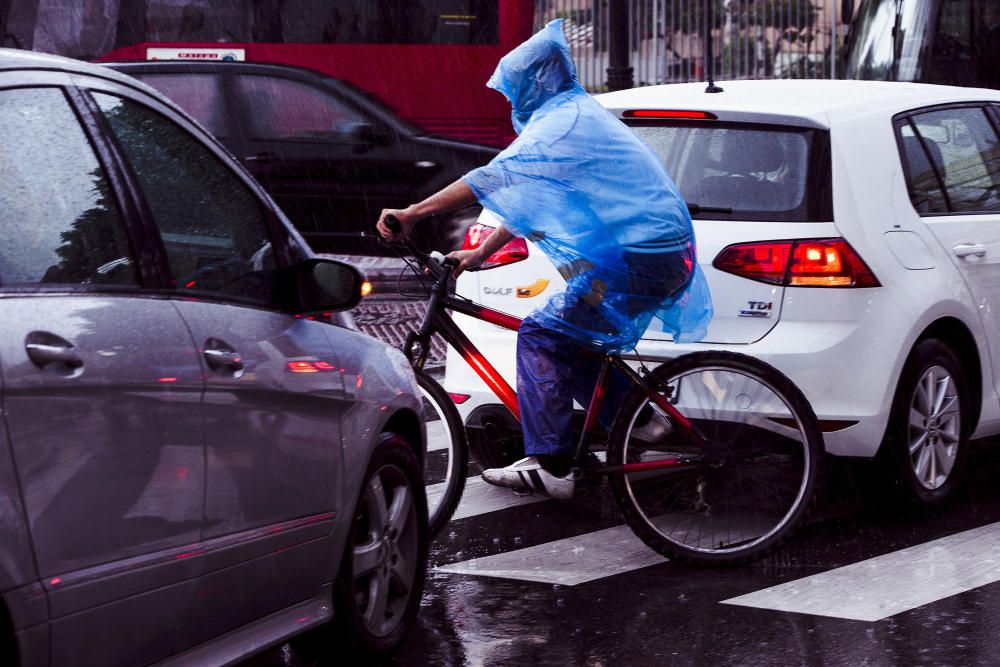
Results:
x,y
866,582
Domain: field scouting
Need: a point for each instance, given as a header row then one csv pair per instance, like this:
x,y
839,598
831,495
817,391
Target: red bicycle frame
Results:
x,y
437,320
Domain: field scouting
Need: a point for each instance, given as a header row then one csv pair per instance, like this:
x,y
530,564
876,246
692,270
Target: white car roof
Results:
x,y
823,102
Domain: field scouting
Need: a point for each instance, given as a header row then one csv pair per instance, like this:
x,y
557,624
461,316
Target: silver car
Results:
x,y
194,465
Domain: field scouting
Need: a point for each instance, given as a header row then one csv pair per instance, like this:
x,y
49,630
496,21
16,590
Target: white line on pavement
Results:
x,y
571,561
896,582
435,435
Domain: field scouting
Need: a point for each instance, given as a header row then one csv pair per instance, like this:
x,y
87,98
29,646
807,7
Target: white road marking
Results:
x,y
480,498
435,435
571,561
891,584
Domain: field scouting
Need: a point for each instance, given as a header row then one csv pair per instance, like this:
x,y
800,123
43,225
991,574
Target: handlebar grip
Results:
x,y
393,223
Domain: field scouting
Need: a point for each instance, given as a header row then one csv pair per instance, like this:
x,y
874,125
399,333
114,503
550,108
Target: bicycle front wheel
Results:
x,y
740,493
447,463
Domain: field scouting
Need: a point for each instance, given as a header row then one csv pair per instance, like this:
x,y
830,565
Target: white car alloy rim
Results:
x,y
934,427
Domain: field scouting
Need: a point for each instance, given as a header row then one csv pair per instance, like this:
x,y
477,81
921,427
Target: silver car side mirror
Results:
x,y
327,285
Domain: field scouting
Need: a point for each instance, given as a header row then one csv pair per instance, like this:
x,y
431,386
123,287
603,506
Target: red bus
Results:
x,y
428,59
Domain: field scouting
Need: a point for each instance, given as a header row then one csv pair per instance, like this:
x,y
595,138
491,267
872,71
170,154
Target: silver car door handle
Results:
x,y
970,250
217,358
42,355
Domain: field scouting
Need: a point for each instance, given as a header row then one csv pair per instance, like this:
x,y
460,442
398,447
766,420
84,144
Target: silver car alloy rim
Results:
x,y
934,427
385,553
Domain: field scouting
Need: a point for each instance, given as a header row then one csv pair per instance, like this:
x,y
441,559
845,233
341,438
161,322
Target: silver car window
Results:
x,y
59,223
213,227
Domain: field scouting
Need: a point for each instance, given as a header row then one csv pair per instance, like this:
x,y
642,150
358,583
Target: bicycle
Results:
x,y
726,483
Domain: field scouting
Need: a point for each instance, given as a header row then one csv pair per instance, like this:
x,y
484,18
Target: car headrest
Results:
x,y
748,152
916,158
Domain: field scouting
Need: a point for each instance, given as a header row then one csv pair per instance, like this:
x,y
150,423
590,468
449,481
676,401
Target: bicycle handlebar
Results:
x,y
435,261
439,266
393,223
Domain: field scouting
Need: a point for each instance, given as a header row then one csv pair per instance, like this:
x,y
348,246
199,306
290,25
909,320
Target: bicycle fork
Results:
x,y
418,343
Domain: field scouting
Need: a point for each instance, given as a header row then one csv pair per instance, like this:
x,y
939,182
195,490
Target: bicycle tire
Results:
x,y
747,489
444,426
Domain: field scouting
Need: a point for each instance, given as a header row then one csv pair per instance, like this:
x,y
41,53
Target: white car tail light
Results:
x,y
515,251
798,263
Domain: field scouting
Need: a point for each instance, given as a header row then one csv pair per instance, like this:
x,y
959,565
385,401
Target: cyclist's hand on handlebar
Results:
x,y
467,259
406,222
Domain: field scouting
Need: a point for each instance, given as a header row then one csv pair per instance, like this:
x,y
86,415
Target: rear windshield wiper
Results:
x,y
698,208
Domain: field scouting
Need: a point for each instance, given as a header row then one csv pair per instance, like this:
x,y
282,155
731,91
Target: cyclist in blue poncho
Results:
x,y
597,201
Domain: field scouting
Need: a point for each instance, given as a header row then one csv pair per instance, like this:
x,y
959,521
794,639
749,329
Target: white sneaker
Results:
x,y
529,475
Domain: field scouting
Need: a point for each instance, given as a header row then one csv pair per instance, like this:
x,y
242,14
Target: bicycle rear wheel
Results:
x,y
447,463
746,489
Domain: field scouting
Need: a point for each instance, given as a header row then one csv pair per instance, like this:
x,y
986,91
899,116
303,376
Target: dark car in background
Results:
x,y
331,155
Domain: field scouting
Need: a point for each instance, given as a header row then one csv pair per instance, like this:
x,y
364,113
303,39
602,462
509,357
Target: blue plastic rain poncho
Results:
x,y
596,200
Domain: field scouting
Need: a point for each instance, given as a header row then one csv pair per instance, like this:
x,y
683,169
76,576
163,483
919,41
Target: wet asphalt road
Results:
x,y
668,614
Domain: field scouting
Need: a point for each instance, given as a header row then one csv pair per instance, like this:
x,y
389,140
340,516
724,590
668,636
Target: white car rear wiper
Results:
x,y
698,208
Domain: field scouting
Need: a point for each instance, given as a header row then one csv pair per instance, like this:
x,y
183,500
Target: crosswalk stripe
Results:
x,y
436,438
893,583
481,498
571,561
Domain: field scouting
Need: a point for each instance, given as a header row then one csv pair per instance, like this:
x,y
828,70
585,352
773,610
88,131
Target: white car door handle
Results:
x,y
976,250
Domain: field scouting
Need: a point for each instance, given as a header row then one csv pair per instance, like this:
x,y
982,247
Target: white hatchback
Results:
x,y
850,233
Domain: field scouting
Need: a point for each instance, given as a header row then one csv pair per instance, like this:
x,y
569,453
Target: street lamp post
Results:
x,y
619,70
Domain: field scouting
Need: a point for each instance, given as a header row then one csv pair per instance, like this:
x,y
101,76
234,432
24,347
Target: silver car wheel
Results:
x,y
934,427
385,555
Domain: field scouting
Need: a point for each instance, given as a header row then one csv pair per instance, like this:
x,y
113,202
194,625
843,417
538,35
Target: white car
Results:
x,y
850,233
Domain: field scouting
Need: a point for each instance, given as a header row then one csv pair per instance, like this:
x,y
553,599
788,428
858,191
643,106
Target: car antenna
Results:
x,y
709,59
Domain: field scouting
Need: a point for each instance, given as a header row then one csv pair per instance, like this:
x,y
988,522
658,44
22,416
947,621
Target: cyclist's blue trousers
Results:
x,y
552,370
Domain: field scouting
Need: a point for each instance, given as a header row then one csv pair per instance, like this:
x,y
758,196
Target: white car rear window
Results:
x,y
745,172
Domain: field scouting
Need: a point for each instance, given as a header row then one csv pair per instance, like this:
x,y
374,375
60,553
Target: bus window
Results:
x,y
872,52
955,42
988,45
913,27
888,38
392,22
966,48
317,21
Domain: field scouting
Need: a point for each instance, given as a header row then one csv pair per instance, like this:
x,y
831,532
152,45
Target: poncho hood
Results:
x,y
597,201
536,72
